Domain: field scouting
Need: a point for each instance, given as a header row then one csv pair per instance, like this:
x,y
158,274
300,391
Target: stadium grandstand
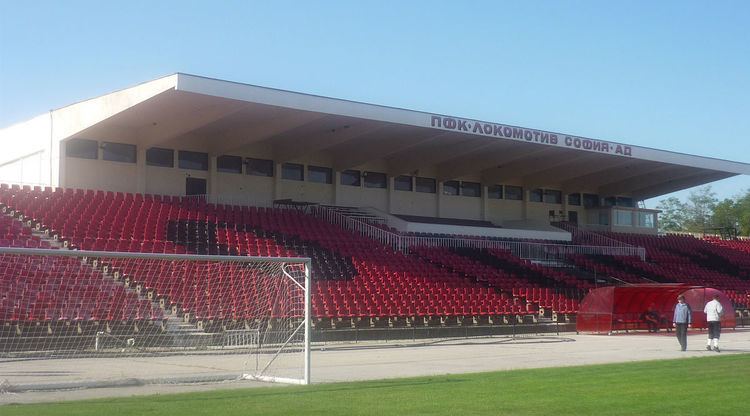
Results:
x,y
410,219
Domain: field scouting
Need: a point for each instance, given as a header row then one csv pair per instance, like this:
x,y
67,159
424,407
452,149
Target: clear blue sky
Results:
x,y
669,75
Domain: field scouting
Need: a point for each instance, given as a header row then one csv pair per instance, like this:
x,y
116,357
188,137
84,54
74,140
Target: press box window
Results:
x,y
118,152
646,219
350,177
623,218
552,196
192,160
514,193
229,164
157,156
426,185
292,172
590,200
376,180
471,189
259,167
450,188
319,174
624,201
574,199
82,148
402,183
495,192
536,195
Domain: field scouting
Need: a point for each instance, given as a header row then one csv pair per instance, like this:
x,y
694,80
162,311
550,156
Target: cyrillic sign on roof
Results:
x,y
528,135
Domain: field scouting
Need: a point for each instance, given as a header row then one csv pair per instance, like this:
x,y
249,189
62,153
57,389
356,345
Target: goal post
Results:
x,y
154,317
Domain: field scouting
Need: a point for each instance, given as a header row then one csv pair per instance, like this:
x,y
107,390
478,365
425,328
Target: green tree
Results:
x,y
743,213
672,217
726,214
699,209
734,213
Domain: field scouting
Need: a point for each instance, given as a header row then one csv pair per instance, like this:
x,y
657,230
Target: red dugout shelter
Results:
x,y
614,308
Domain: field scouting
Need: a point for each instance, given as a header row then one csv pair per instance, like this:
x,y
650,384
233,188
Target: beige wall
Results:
x,y
99,174
321,193
257,190
414,203
501,210
365,197
461,207
169,181
539,210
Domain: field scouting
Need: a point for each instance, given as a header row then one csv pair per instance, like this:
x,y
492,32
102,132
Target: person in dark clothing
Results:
x,y
682,320
651,318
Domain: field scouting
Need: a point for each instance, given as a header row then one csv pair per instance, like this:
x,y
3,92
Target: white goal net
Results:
x,y
70,317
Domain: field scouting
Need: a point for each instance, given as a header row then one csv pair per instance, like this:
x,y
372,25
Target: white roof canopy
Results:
x,y
224,117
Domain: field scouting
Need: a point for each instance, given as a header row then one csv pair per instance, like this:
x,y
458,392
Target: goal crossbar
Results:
x,y
279,338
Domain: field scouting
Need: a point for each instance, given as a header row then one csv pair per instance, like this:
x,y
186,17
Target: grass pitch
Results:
x,y
693,386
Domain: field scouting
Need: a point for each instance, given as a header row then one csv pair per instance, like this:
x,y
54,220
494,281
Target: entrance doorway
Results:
x,y
195,186
573,217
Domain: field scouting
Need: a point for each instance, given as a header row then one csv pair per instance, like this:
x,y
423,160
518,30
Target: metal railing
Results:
x,y
582,236
524,250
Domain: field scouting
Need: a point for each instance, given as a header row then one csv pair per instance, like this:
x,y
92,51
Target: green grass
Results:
x,y
694,386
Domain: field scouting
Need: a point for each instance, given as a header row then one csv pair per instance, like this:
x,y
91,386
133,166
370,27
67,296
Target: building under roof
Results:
x,y
266,144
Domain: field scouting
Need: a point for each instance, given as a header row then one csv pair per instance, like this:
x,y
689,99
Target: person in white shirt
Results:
x,y
713,311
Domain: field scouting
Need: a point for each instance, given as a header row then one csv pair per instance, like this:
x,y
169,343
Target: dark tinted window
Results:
x,y
472,189
402,183
574,199
293,172
590,200
156,156
552,196
426,185
536,195
259,167
82,148
514,192
192,160
609,201
229,164
350,177
450,188
375,180
495,192
319,174
623,201
118,152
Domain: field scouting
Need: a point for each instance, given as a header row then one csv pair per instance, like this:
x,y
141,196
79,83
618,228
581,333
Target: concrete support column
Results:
x,y
391,190
440,197
277,182
140,168
59,178
483,208
525,203
336,188
213,178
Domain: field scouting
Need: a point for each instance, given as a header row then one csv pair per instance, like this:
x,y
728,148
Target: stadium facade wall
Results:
x,y
26,151
257,190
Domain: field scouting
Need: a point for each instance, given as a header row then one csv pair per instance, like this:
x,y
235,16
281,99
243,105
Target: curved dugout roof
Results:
x,y
610,308
222,117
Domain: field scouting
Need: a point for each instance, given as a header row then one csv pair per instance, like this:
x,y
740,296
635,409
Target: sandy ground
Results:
x,y
349,362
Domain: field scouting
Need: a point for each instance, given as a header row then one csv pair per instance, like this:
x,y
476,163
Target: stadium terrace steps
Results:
x,y
356,279
125,222
686,259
